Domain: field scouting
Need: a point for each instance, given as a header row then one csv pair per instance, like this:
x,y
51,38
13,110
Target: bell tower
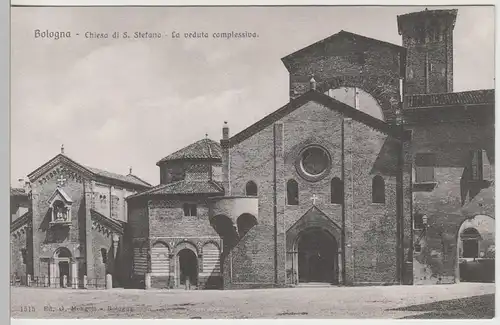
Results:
x,y
428,37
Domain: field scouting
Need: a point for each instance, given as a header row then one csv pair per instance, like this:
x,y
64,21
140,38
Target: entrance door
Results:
x,y
63,270
188,267
317,260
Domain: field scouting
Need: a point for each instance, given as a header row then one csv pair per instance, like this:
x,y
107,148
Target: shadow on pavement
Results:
x,y
474,307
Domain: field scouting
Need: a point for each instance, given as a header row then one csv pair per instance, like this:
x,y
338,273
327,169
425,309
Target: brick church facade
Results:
x,y
374,173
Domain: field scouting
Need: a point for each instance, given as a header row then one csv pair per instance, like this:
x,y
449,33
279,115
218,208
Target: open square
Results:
x,y
472,300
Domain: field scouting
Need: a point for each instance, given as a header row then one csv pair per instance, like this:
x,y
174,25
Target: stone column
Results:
x,y
115,241
171,271
340,264
109,281
52,273
147,281
74,274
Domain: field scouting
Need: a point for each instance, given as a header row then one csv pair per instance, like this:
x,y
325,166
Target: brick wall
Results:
x,y
110,201
371,228
166,218
373,68
452,199
20,244
47,239
19,205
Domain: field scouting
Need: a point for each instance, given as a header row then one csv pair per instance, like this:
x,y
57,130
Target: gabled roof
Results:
x,y
340,36
99,174
322,99
60,192
130,178
184,187
17,192
204,149
472,97
115,225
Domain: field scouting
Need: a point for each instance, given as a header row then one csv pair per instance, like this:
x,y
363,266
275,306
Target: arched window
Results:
x,y
470,241
292,192
251,189
378,189
104,255
337,191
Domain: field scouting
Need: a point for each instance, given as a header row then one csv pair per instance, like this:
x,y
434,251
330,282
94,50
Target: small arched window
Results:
x,y
104,255
251,189
337,191
378,189
292,192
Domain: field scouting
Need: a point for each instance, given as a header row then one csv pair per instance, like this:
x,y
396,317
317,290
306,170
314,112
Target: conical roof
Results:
x,y
205,149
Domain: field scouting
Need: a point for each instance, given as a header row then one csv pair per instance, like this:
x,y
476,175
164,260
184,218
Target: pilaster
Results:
x,y
407,212
89,254
279,204
348,220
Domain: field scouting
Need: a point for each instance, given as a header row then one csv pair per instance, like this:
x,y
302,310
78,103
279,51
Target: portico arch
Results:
x,y
475,249
186,264
377,87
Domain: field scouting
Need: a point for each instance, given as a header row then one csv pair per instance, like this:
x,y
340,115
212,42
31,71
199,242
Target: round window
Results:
x,y
314,162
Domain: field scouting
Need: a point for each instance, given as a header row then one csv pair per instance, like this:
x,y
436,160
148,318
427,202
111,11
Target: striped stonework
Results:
x,y
160,261
211,260
140,260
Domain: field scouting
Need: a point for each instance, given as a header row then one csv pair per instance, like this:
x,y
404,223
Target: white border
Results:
x,y
6,143
246,2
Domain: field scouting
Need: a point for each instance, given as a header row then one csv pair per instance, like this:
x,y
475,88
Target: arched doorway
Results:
x,y
476,250
188,268
317,256
60,270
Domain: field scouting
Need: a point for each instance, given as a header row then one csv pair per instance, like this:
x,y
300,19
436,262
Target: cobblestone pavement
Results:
x,y
471,300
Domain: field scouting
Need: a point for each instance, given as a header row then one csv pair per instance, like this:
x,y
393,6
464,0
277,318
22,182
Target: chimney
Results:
x,y
20,183
226,157
312,82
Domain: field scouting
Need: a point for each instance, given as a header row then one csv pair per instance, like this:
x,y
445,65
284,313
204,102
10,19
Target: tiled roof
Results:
x,y
87,171
25,218
184,187
202,149
473,97
114,224
327,101
342,35
17,192
123,178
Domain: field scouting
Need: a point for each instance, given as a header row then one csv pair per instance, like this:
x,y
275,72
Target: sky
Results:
x,y
120,103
